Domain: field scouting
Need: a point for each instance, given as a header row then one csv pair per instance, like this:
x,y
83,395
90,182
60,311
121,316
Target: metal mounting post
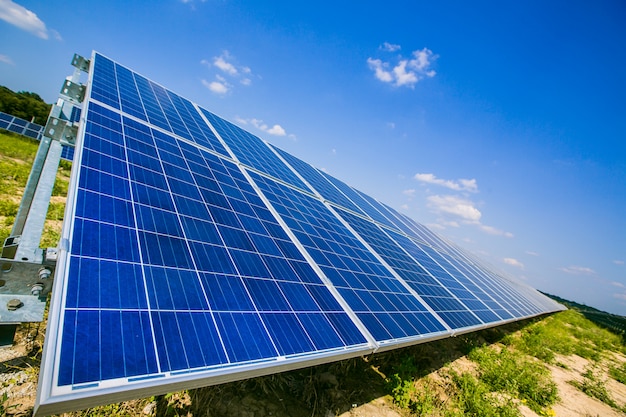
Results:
x,y
25,276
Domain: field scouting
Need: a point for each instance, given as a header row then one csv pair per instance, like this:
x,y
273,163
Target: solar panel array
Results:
x,y
196,253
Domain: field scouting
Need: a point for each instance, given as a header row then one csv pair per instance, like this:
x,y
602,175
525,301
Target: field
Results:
x,y
558,365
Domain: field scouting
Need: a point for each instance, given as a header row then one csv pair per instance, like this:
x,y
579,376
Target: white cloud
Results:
x,y
404,207
531,253
275,130
618,262
403,72
618,284
23,18
422,60
402,76
218,87
389,47
577,270
6,59
460,185
456,206
379,70
513,262
227,67
464,211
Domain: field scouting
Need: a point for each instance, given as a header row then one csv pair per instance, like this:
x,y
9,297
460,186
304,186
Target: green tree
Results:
x,y
24,104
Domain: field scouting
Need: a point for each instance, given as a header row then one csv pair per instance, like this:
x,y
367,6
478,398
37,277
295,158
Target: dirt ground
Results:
x,y
359,391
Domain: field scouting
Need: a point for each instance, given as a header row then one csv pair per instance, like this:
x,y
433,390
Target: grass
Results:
x,y
475,398
509,372
565,333
618,373
516,374
16,156
594,386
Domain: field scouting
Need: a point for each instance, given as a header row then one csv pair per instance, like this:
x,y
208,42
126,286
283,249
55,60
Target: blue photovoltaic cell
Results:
x,y
158,235
401,254
385,306
198,252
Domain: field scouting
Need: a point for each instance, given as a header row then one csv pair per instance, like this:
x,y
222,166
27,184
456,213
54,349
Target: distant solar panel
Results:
x,y
195,253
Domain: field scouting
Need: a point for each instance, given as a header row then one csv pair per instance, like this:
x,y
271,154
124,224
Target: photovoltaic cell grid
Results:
x,y
196,254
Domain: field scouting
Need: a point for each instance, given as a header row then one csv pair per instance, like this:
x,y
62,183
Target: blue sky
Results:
x,y
502,125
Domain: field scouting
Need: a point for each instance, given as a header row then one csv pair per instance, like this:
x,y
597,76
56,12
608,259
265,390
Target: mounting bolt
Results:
x,y
44,273
36,289
14,304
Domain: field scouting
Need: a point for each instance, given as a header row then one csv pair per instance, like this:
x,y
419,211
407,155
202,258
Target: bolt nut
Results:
x,y
44,273
14,304
37,288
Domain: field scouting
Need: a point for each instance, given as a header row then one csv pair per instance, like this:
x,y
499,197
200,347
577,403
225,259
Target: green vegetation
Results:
x,y
16,156
475,398
513,373
594,386
24,105
612,322
618,373
513,370
565,333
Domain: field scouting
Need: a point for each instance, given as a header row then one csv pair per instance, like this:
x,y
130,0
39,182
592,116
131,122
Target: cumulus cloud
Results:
x,y
227,67
461,184
389,47
219,86
403,72
456,206
24,19
513,262
577,270
275,130
455,210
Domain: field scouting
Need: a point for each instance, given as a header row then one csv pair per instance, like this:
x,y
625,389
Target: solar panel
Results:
x,y
195,253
